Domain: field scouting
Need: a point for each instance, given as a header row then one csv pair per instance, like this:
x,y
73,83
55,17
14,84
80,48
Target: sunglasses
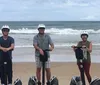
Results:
x,y
5,30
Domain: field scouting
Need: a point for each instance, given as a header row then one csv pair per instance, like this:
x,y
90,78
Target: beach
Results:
x,y
63,71
59,54
63,64
64,34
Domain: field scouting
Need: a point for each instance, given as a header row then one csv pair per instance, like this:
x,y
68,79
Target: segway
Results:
x,y
43,59
79,56
33,80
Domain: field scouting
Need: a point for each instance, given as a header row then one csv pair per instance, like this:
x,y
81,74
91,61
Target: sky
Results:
x,y
49,10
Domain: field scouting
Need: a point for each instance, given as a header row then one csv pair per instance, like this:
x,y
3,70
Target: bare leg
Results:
x,y
87,71
38,74
48,73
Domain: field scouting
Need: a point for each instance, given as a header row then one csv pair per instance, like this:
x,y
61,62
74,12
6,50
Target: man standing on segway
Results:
x,y
6,47
87,49
41,42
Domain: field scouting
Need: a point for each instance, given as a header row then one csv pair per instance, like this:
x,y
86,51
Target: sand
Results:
x,y
63,64
63,71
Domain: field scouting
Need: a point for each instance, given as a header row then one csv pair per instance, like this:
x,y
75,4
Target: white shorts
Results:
x,y
39,63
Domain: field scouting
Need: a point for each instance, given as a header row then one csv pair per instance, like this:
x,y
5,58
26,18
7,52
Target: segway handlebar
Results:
x,y
78,46
79,52
44,58
47,50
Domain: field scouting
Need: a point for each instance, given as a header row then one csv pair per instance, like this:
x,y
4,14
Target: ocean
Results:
x,y
63,33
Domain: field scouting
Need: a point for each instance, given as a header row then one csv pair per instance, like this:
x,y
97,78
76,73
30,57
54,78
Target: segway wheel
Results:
x,y
32,81
17,82
54,81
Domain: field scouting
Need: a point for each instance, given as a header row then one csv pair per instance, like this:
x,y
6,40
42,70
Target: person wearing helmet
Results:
x,y
87,48
6,48
41,42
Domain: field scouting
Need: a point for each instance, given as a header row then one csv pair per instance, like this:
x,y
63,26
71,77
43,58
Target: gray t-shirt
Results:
x,y
43,42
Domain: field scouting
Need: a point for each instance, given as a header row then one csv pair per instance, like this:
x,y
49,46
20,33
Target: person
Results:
x,y
6,48
41,42
87,49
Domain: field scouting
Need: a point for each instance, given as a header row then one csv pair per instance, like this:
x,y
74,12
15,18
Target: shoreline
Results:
x,y
57,55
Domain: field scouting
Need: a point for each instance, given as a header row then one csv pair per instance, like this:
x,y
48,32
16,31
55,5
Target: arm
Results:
x,y
2,48
90,48
75,46
35,42
51,47
39,49
7,49
11,47
36,46
51,43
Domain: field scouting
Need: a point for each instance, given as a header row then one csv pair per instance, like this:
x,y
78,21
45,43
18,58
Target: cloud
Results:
x,y
91,17
76,3
49,9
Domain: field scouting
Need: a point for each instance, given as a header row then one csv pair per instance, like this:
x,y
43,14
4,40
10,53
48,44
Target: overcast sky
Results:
x,y
49,10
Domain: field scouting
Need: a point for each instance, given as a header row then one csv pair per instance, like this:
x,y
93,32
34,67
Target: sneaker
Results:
x,y
48,83
2,84
39,83
9,84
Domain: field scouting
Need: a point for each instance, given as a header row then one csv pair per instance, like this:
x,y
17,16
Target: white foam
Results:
x,y
56,45
66,31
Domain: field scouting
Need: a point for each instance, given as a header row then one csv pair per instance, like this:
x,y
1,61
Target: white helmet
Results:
x,y
5,26
41,26
84,33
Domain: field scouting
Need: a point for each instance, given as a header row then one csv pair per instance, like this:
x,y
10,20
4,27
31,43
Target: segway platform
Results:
x,y
76,80
79,56
95,81
17,82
